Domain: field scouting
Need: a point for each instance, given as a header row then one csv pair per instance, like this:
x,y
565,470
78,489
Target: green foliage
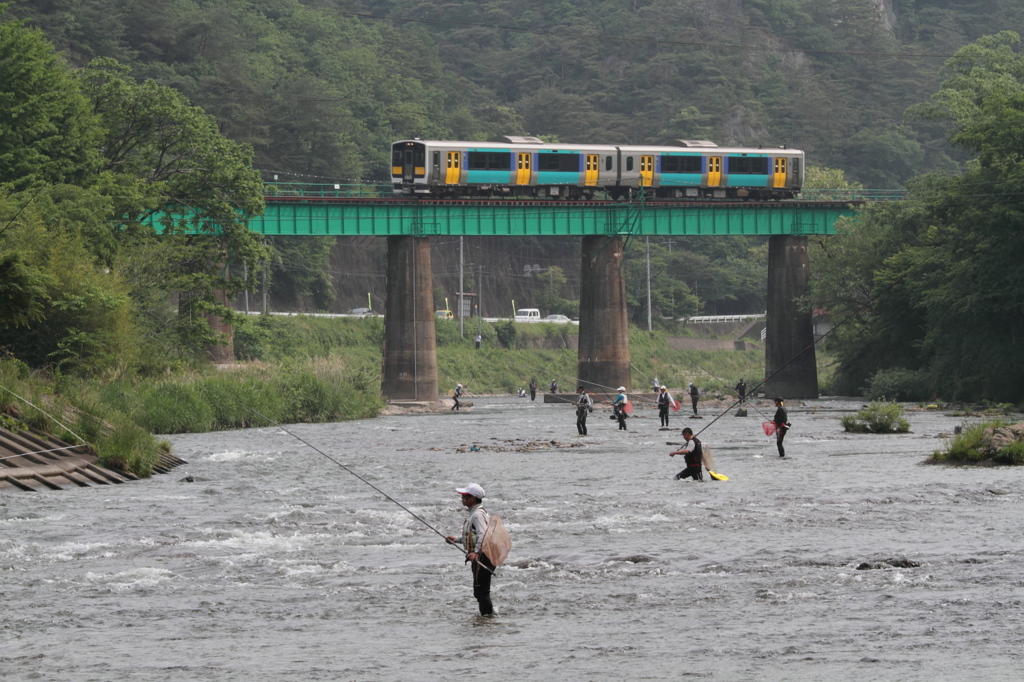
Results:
x,y
898,383
506,332
933,284
47,133
878,417
971,446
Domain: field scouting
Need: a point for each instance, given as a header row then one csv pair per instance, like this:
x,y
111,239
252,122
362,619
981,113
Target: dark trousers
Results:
x,y
483,569
693,398
620,414
779,436
663,413
581,420
696,473
456,406
533,394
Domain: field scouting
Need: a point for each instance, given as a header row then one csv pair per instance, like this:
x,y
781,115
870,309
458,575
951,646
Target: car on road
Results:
x,y
444,314
557,319
360,311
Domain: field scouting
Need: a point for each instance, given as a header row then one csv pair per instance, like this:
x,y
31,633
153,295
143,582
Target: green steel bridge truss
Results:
x,y
294,209
308,216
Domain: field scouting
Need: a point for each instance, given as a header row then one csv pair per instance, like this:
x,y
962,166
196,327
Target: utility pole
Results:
x,y
461,329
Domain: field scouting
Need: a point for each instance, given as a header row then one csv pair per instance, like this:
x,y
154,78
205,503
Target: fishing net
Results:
x,y
706,457
496,543
769,428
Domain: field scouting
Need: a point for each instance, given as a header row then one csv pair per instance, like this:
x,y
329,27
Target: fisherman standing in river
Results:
x,y
619,407
472,538
781,420
584,406
664,403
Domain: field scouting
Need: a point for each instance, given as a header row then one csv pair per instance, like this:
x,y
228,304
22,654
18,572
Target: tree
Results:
x,y
167,161
934,285
47,133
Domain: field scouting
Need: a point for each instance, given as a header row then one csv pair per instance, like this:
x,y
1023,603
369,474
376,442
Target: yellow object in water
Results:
x,y
717,476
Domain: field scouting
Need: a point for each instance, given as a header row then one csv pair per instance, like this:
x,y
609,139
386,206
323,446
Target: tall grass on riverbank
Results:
x,y
71,411
118,418
250,394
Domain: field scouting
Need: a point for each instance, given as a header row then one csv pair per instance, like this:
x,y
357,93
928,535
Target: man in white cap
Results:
x,y
619,407
472,538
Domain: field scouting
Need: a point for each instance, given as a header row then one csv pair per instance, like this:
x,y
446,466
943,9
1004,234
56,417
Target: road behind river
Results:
x,y
277,564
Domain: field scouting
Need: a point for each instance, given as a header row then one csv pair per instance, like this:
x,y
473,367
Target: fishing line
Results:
x,y
348,469
41,452
57,421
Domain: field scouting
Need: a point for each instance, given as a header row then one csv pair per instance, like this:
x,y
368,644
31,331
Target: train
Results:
x,y
528,167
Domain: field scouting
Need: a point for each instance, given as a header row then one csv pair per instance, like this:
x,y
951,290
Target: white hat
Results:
x,y
459,385
621,388
473,489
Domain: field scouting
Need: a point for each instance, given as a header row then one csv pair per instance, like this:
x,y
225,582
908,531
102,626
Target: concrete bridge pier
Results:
x,y
603,359
789,343
410,359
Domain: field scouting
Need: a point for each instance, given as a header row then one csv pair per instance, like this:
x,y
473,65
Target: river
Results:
x,y
275,563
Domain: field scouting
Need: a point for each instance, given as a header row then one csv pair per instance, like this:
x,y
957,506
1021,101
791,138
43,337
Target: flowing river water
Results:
x,y
848,560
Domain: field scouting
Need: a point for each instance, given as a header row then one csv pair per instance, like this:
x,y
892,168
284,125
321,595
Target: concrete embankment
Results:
x,y
32,461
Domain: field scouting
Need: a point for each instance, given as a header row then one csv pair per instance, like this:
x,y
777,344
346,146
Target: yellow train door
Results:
x,y
646,171
590,167
779,180
714,171
523,168
453,170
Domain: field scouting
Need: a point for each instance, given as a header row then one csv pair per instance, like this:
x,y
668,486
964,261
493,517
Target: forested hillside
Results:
x,y
319,88
118,108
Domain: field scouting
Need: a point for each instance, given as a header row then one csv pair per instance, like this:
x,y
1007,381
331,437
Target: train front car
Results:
x,y
409,167
762,173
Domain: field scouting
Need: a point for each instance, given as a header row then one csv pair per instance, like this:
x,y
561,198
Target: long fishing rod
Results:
x,y
348,469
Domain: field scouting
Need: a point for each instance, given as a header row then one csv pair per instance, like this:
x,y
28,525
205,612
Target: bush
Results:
x,y
972,445
897,384
506,332
878,417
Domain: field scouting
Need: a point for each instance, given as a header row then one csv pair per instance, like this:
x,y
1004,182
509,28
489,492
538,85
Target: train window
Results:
x,y
490,161
437,159
396,157
680,164
607,163
748,165
568,163
629,163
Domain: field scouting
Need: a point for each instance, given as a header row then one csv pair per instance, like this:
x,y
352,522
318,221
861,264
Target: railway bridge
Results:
x,y
410,364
